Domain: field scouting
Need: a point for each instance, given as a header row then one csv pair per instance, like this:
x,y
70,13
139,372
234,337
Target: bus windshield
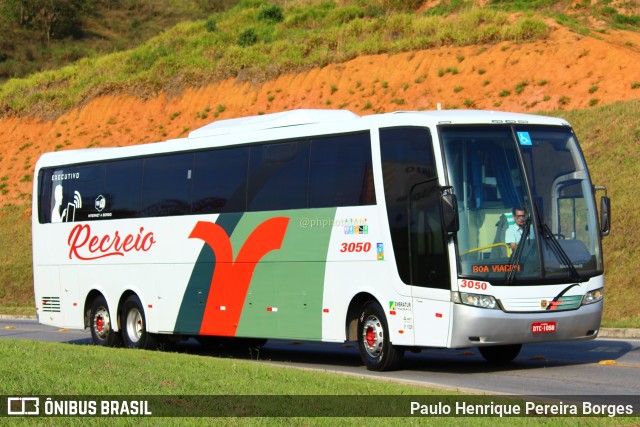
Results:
x,y
526,206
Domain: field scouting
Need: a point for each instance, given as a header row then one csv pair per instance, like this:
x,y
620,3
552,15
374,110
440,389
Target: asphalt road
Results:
x,y
607,369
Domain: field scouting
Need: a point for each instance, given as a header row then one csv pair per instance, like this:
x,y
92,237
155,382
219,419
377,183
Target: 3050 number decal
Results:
x,y
472,284
355,247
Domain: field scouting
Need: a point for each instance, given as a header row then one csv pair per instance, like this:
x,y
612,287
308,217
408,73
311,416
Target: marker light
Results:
x,y
475,300
593,296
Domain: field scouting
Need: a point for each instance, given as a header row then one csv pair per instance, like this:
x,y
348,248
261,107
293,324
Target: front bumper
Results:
x,y
475,327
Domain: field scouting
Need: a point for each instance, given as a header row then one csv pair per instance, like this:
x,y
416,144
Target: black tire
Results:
x,y
500,354
133,326
101,324
376,350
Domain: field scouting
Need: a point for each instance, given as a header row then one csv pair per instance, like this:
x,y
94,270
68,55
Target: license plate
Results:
x,y
543,327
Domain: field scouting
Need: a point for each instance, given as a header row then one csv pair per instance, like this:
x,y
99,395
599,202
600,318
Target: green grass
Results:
x,y
577,14
249,48
46,369
16,273
104,27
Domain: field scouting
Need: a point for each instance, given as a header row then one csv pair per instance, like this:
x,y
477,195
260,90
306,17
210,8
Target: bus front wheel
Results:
x,y
376,350
134,326
101,325
500,353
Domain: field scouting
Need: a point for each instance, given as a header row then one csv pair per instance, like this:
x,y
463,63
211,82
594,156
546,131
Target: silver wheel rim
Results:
x,y
373,336
102,323
134,325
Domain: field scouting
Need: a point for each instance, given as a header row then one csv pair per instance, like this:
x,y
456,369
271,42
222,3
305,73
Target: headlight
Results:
x,y
593,296
475,300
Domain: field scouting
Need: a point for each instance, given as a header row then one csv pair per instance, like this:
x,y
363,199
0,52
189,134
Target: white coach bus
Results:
x,y
390,229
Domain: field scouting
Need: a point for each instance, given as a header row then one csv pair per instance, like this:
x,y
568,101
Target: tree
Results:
x,y
14,10
51,18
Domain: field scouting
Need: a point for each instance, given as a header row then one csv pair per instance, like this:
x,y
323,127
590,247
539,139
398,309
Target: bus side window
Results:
x,y
166,188
123,182
341,173
220,181
72,192
278,176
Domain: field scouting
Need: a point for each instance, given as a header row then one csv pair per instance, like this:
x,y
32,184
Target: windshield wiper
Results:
x,y
560,253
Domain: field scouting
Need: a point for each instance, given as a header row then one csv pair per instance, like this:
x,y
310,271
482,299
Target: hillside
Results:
x,y
40,35
565,71
562,71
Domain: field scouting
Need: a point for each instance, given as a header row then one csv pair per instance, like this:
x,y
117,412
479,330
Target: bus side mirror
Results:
x,y
605,215
605,211
449,212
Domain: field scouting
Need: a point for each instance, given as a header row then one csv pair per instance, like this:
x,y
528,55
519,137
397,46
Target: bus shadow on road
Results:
x,y
295,352
532,356
306,353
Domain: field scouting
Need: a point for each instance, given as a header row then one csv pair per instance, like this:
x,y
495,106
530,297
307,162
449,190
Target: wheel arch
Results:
x,y
351,321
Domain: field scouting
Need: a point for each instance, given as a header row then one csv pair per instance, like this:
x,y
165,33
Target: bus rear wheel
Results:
x,y
100,324
500,353
134,325
376,350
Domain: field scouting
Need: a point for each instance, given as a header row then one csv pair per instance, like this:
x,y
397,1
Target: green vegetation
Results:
x,y
564,100
34,368
39,35
131,372
577,14
43,35
255,41
520,87
16,273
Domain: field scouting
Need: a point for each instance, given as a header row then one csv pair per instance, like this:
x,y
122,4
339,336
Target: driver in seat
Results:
x,y
514,232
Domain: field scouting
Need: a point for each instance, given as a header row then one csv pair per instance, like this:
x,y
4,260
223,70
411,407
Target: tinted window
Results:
x,y
409,173
90,192
341,173
166,188
279,176
44,195
325,172
220,181
74,190
122,189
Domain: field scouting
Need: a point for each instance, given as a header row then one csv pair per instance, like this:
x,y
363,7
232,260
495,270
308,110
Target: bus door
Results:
x,y
430,273
412,199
